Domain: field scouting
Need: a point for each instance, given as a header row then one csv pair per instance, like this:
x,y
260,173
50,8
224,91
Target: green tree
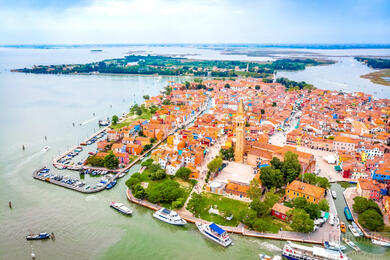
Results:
x,y
300,202
227,154
262,111
166,102
114,119
257,87
313,210
166,191
147,147
248,217
152,140
271,177
132,181
310,178
261,225
179,203
195,204
371,220
158,175
110,161
227,85
154,167
254,190
276,163
141,133
301,221
323,182
274,104
215,164
262,209
146,97
96,161
139,191
147,162
362,204
187,85
291,167
323,205
183,173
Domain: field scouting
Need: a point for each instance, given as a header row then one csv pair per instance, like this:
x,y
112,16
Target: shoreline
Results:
x,y
376,77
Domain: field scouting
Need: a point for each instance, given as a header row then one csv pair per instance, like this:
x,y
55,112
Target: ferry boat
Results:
x,y
267,257
353,231
351,244
39,236
121,208
333,246
348,214
334,194
380,242
357,228
343,227
169,216
214,233
295,252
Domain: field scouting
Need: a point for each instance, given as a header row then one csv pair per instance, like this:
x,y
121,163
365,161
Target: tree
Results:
x,y
301,221
310,178
271,177
114,119
291,167
262,209
139,191
276,163
154,167
183,173
254,190
179,203
371,220
110,161
262,111
227,154
313,210
152,140
323,182
187,85
227,85
158,175
147,162
133,180
274,104
166,191
196,204
261,225
147,147
323,205
362,204
141,133
215,164
96,161
248,217
166,102
300,202
257,87
146,97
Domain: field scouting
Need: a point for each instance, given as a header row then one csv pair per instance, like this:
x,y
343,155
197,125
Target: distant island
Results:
x,y
174,66
379,77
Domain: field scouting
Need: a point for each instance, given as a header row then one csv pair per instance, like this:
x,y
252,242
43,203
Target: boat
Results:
x,y
39,236
111,184
295,252
348,214
380,242
169,216
343,227
356,227
267,257
104,122
214,233
46,148
353,231
351,244
121,208
333,246
334,194
121,175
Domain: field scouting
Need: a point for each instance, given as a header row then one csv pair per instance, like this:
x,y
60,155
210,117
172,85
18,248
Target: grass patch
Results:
x,y
224,205
378,77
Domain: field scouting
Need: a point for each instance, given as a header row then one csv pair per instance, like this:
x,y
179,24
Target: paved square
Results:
x,y
236,172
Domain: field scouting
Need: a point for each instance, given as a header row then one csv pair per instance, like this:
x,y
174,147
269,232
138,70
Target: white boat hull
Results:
x,y
224,244
168,221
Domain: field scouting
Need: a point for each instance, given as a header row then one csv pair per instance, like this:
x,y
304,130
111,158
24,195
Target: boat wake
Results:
x,y
88,121
269,246
336,83
91,198
45,149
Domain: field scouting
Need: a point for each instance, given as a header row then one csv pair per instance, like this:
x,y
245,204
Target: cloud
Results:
x,y
191,21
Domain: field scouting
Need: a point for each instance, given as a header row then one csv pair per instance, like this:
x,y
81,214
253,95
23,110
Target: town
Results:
x,y
255,158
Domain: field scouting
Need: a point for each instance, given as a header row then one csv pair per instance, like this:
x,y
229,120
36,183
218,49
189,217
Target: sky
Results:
x,y
194,21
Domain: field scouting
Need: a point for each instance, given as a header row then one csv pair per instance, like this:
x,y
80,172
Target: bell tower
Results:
x,y
240,141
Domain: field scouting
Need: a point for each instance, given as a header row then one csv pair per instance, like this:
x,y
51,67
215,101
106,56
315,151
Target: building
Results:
x,y
368,189
300,189
386,205
280,211
343,143
237,188
240,140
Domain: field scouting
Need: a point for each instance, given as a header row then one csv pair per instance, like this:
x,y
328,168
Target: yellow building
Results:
x,y
310,192
240,141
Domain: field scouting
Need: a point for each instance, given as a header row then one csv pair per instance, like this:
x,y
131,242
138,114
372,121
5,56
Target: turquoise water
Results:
x,y
35,106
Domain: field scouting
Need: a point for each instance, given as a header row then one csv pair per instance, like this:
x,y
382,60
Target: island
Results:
x,y
178,66
379,77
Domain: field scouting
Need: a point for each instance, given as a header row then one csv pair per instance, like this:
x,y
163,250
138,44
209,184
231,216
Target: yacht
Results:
x,y
351,244
214,233
334,194
353,231
121,208
295,251
169,216
380,242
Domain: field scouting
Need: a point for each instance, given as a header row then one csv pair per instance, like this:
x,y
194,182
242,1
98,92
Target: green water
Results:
x,y
35,106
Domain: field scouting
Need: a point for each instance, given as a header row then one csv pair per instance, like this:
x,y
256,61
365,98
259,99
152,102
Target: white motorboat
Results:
x,y
334,194
267,257
356,227
351,244
122,174
296,252
380,242
353,231
334,246
121,208
169,216
214,233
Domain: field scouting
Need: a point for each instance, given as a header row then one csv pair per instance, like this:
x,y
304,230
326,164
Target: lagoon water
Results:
x,y
33,106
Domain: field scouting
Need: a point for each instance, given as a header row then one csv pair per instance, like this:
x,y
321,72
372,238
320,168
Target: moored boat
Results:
x,y
267,257
334,194
43,235
295,252
121,208
111,184
351,244
121,175
348,214
169,216
353,231
355,226
333,246
380,242
214,233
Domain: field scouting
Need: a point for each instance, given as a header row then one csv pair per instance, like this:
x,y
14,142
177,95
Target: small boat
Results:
x,y
343,227
355,226
295,252
121,208
214,233
334,194
121,175
348,214
46,148
169,216
380,242
39,236
267,257
104,122
353,231
87,187
351,244
333,246
111,184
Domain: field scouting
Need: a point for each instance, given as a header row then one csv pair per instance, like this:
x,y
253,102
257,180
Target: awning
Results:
x,y
338,168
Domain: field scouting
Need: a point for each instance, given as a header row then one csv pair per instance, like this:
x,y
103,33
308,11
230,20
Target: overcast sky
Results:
x,y
194,21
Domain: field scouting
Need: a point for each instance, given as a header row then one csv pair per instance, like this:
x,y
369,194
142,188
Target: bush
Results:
x,y
158,175
371,220
183,173
147,162
195,204
110,161
139,191
130,183
95,161
164,192
179,203
323,205
261,225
